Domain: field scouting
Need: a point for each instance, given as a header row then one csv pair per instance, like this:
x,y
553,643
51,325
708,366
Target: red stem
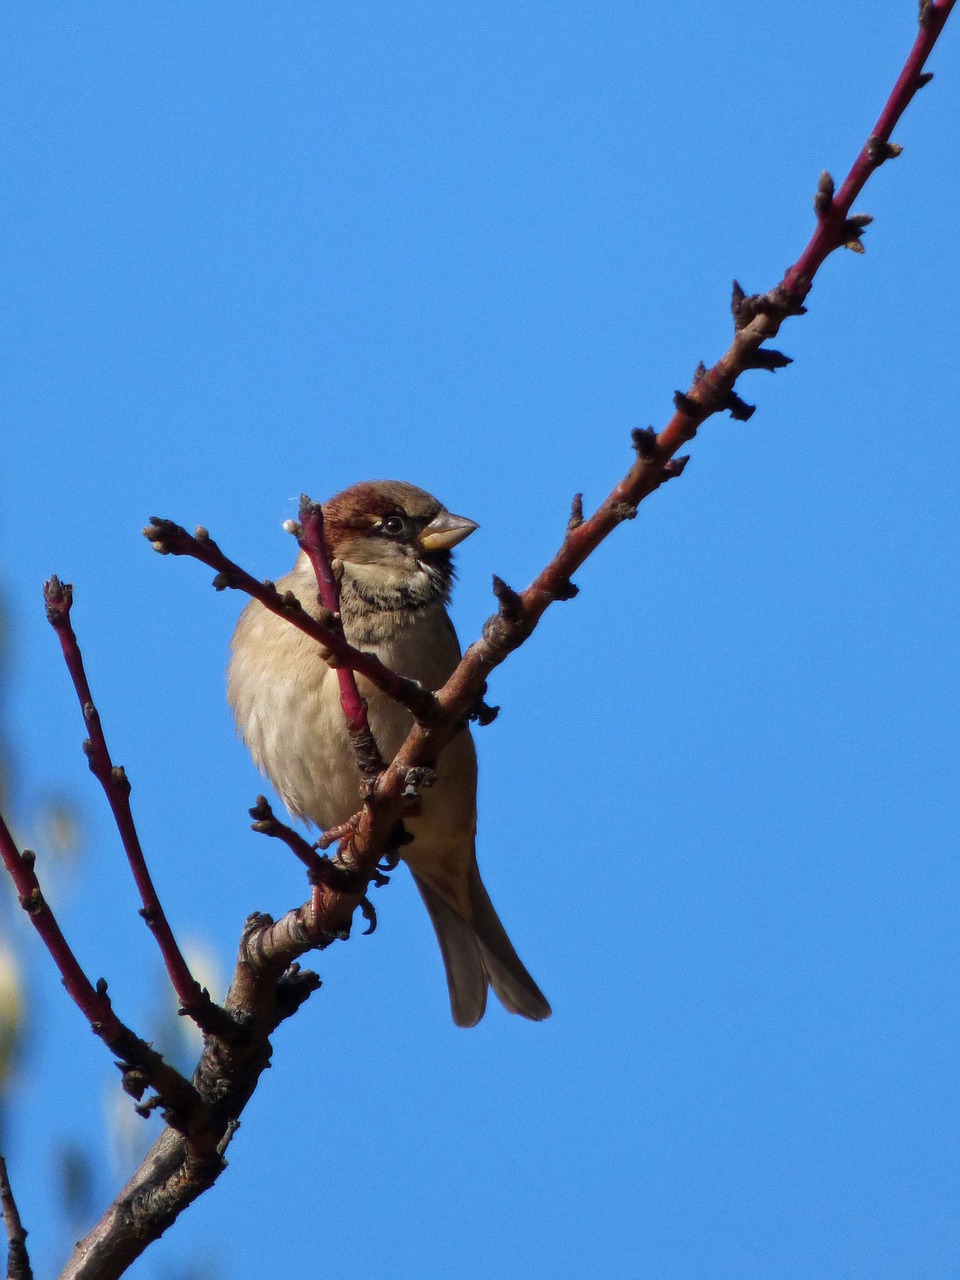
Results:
x,y
192,997
94,1007
312,543
824,240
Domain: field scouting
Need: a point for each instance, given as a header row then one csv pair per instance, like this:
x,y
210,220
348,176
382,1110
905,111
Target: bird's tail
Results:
x,y
477,952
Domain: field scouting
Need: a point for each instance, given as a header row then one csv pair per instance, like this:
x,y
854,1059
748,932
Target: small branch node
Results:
x,y
878,151
576,513
101,987
483,713
675,467
294,527
32,902
925,16
823,200
417,779
623,511
852,229
686,404
924,78
700,371
767,358
28,858
118,776
201,534
566,590
234,1125
644,440
511,605
59,599
740,411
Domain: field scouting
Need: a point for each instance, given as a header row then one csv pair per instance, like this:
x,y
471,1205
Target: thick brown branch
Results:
x,y
267,987
18,1260
194,999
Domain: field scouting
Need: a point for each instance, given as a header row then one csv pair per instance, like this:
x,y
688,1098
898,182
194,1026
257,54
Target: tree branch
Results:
x,y
169,538
18,1260
195,1001
309,534
141,1066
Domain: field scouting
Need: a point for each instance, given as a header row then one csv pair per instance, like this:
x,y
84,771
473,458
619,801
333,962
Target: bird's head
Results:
x,y
395,542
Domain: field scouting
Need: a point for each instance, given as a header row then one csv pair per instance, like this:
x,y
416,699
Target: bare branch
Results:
x,y
141,1066
310,537
18,1260
194,999
169,538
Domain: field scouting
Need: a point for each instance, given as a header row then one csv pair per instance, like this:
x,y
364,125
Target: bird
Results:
x,y
394,543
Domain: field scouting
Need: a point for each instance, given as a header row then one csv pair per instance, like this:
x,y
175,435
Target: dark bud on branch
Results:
x,y
925,15
767,358
645,442
511,606
700,371
483,713
924,78
686,404
740,411
823,200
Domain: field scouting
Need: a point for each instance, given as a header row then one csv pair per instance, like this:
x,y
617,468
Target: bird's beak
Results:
x,y
445,531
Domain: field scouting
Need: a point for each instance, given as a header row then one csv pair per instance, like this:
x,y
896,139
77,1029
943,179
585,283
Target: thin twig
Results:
x,y
141,1065
194,999
309,535
169,538
18,1260
757,319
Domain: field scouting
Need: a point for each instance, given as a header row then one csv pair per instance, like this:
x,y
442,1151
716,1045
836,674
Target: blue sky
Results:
x,y
251,251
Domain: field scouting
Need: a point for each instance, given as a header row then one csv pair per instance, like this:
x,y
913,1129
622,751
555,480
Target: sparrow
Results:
x,y
394,543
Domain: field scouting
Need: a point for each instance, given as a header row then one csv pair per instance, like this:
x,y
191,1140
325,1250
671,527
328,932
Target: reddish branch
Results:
x,y
172,539
18,1260
194,999
142,1066
309,534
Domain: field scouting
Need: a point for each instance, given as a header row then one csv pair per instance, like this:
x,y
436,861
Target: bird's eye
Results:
x,y
393,525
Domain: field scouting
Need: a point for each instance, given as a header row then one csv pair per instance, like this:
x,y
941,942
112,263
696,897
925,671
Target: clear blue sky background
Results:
x,y
253,250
